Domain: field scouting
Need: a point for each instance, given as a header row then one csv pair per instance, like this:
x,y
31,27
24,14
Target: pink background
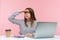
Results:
x,y
45,10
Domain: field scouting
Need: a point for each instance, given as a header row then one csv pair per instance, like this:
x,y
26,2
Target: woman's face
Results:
x,y
27,14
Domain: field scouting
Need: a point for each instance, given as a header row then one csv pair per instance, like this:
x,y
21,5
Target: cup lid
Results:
x,y
8,30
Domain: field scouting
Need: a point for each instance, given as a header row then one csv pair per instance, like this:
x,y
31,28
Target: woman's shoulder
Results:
x,y
36,21
22,20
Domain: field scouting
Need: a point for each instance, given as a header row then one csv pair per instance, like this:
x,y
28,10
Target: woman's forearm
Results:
x,y
14,15
12,18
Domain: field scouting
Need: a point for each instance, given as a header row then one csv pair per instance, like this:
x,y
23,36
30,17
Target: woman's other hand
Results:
x,y
28,34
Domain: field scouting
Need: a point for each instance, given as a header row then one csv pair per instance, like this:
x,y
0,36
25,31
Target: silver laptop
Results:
x,y
45,29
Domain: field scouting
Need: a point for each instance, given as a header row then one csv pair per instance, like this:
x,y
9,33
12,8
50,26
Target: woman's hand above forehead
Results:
x,y
23,11
26,10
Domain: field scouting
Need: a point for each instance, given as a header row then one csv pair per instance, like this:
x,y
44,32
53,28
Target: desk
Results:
x,y
26,38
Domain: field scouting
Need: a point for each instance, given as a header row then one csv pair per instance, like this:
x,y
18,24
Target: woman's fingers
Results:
x,y
23,11
26,10
28,34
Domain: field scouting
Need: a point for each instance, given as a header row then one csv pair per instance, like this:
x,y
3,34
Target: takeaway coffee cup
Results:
x,y
8,32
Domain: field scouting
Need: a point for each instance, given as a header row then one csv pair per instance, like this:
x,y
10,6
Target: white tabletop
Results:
x,y
26,38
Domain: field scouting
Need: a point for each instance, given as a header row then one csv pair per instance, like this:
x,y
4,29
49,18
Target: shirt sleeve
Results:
x,y
12,18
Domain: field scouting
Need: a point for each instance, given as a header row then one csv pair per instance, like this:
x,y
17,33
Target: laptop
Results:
x,y
45,29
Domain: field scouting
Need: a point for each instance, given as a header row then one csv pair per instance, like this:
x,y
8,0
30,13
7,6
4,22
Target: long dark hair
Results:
x,y
32,19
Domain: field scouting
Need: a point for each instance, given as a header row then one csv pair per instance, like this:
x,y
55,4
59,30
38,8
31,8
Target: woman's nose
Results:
x,y
26,14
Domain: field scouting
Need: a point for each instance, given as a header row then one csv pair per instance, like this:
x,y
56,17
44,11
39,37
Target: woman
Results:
x,y
28,25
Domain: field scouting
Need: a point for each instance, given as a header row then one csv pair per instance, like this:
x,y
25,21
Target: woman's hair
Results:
x,y
32,19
